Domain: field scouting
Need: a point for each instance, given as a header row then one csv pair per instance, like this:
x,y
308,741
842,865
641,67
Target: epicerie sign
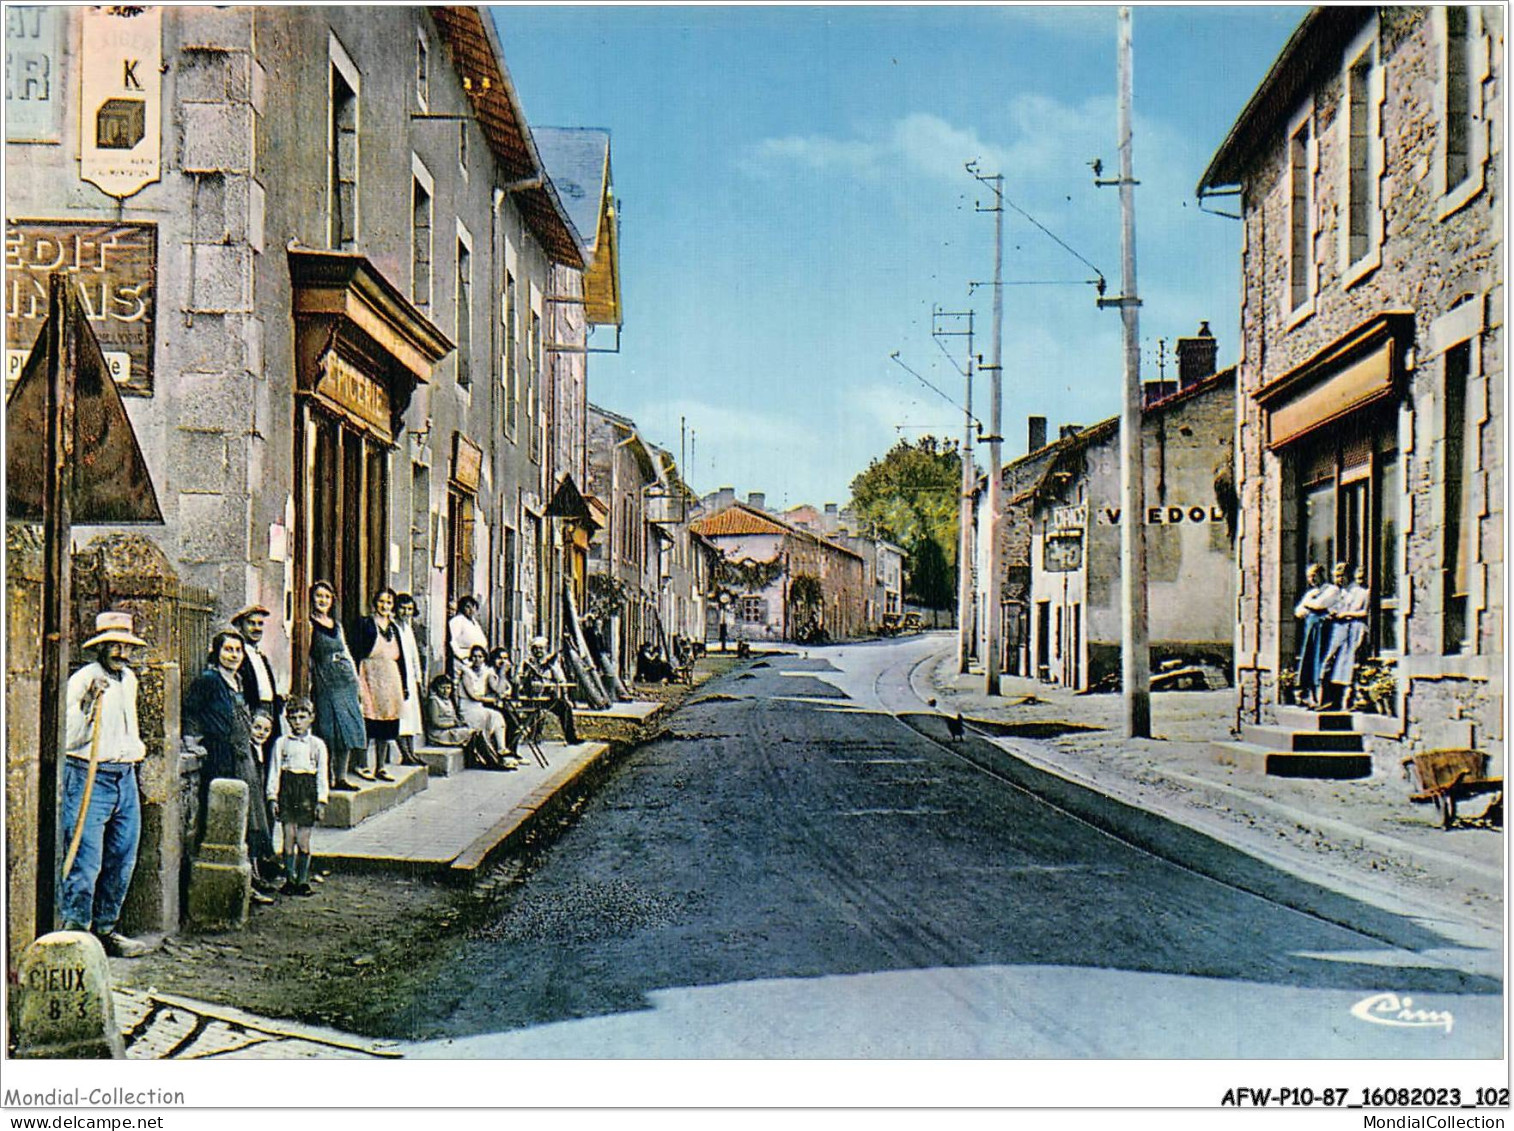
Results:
x,y
114,271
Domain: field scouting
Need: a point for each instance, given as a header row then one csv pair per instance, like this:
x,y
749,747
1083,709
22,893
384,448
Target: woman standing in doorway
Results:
x,y
415,678
333,687
381,682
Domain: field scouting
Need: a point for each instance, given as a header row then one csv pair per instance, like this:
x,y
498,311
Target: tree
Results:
x,y
912,497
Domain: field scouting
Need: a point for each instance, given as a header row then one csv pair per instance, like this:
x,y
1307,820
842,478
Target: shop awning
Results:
x,y
1357,370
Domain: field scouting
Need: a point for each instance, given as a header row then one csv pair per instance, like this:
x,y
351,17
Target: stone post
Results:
x,y
220,881
65,1009
128,572
23,702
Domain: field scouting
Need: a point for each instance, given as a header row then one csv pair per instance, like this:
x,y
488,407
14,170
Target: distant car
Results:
x,y
913,622
892,622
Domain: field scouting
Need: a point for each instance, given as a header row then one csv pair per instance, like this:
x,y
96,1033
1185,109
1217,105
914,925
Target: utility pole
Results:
x,y
992,661
1135,659
965,521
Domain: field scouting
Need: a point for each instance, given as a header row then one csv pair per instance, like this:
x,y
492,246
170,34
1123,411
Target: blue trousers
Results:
x,y
91,895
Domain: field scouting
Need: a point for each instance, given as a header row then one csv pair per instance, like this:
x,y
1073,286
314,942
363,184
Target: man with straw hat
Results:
x,y
101,805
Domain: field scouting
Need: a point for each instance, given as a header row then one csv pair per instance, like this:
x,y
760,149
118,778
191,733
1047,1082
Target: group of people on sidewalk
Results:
x,y
485,704
1334,616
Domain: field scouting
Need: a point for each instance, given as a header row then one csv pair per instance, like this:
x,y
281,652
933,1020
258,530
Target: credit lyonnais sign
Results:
x,y
114,270
120,98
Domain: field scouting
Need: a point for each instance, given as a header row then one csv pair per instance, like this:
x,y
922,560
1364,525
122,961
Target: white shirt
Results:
x,y
465,636
412,656
262,671
296,755
120,741
1352,600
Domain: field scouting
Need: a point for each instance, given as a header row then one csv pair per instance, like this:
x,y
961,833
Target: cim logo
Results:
x,y
1399,1012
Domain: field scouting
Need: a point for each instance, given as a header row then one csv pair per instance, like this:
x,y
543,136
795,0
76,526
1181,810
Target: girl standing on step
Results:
x,y
333,686
381,682
297,787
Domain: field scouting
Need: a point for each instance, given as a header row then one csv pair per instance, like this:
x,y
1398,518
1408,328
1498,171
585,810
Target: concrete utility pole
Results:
x,y
965,520
992,661
1135,659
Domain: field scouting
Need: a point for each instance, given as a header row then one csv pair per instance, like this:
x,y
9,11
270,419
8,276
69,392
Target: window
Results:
x,y
464,314
462,148
420,243
1460,523
533,397
422,72
754,610
1361,118
1389,489
343,172
1458,123
1301,219
512,390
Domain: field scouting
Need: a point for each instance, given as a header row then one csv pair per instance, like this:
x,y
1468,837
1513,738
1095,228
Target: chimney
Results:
x,y
1068,430
1037,433
832,521
725,497
757,500
1153,391
1196,357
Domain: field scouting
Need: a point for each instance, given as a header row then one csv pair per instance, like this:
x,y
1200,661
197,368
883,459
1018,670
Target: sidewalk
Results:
x,y
1361,837
459,822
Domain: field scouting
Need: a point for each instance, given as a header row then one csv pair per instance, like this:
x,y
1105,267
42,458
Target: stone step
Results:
x,y
442,761
1325,764
1281,738
1301,718
345,809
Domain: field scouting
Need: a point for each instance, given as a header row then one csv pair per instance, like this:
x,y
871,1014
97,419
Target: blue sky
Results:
x,y
793,203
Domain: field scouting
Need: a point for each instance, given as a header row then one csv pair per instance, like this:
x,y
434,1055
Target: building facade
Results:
x,y
1368,167
781,582
331,262
1073,543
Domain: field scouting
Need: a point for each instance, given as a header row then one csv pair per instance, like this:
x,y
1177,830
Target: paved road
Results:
x,y
798,871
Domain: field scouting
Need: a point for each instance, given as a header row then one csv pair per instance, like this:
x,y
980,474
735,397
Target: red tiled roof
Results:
x,y
738,519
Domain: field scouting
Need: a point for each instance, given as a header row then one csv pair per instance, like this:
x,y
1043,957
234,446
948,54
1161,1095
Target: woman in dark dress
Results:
x,y
333,687
216,712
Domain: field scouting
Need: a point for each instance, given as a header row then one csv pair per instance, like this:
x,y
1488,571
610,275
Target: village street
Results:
x,y
795,870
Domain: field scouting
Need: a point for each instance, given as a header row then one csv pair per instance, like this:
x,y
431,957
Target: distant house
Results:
x,y
1074,634
769,571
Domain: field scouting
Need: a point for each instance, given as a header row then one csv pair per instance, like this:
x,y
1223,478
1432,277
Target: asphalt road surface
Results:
x,y
806,865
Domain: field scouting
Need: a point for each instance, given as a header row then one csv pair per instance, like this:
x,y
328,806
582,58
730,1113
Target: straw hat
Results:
x,y
113,627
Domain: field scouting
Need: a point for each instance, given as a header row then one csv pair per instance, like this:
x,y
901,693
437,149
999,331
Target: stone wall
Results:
x,y
1441,258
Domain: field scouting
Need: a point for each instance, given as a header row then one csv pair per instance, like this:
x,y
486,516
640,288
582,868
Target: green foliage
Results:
x,y
747,576
912,497
806,600
607,596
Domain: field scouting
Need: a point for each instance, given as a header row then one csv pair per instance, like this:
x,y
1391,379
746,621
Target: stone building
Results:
x,y
762,559
341,294
330,275
1072,538
1368,168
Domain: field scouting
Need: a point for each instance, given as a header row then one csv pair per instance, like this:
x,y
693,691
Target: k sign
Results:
x,y
120,98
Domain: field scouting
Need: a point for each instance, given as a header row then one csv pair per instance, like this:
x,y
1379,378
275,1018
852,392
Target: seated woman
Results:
x,y
445,726
475,701
651,667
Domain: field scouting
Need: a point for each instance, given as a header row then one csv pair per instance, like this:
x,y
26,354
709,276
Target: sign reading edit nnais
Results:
x,y
120,98
114,269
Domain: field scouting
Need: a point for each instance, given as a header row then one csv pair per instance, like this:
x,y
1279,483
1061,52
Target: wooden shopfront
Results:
x,y
361,350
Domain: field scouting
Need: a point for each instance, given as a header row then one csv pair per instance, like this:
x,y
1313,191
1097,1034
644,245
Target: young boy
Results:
x,y
297,784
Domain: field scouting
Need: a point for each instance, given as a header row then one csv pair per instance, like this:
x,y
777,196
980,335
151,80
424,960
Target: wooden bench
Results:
x,y
1444,777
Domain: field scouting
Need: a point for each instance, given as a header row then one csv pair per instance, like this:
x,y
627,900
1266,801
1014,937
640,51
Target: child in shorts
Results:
x,y
297,786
